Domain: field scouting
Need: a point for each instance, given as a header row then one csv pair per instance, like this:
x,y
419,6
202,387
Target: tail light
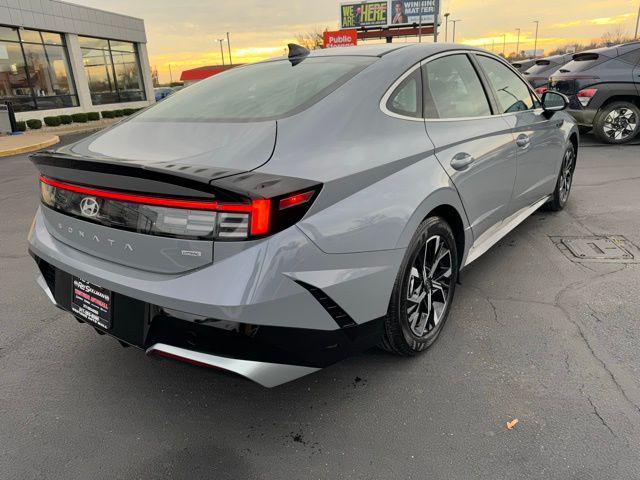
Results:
x,y
541,90
178,217
585,96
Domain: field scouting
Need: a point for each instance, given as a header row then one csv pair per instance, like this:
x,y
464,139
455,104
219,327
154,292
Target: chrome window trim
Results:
x,y
394,85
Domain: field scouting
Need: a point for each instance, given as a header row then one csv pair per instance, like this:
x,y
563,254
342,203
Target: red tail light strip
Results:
x,y
259,209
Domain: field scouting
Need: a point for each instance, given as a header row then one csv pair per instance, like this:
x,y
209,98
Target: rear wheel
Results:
x,y
617,123
424,290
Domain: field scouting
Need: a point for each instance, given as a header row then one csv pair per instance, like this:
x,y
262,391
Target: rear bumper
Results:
x,y
267,355
583,117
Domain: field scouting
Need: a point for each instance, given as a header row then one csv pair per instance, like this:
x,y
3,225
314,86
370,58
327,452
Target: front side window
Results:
x,y
113,70
406,99
259,92
34,70
453,89
513,94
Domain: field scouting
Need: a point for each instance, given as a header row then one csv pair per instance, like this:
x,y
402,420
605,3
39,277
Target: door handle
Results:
x,y
461,161
523,141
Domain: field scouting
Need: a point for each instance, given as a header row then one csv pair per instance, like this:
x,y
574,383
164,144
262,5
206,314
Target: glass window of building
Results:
x,y
34,70
113,70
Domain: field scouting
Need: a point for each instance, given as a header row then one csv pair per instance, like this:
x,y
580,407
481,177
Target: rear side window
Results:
x,y
512,93
406,99
452,89
259,92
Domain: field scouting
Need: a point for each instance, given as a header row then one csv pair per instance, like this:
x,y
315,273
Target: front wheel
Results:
x,y
423,291
617,123
565,181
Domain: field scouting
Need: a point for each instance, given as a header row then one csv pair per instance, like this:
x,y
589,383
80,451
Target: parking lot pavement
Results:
x,y
534,335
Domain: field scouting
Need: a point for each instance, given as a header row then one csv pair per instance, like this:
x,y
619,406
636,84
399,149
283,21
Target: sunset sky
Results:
x,y
184,33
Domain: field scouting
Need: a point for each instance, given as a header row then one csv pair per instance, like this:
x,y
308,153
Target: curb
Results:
x,y
30,148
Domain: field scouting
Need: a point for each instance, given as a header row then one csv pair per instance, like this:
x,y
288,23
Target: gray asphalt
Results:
x,y
533,336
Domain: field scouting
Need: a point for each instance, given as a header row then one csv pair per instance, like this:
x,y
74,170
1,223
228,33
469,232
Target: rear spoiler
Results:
x,y
167,178
585,56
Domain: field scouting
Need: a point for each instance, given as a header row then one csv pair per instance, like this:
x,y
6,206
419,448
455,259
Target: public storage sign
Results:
x,y
341,38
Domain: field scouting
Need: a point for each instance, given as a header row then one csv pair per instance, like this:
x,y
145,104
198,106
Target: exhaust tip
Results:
x,y
268,375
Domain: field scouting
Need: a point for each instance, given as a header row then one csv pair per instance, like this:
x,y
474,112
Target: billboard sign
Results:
x,y
407,12
341,38
364,14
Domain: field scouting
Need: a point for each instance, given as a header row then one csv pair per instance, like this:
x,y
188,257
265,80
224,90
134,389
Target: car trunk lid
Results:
x,y
144,196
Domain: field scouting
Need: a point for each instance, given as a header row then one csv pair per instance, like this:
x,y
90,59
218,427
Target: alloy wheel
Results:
x,y
566,175
429,286
620,124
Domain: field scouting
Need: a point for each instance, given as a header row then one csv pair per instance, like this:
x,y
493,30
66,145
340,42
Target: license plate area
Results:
x,y
91,303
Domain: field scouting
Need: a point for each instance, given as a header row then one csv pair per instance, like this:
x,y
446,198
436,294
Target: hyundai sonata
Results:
x,y
275,218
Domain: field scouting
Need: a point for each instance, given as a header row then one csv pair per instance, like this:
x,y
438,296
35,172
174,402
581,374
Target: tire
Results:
x,y
564,182
617,123
407,331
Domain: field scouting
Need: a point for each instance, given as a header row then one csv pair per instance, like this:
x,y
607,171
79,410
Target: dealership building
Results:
x,y
57,58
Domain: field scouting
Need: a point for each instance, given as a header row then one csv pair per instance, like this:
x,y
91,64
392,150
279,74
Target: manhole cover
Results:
x,y
596,248
609,248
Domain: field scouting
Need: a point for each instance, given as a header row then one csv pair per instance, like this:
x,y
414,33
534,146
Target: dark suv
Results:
x,y
603,86
538,74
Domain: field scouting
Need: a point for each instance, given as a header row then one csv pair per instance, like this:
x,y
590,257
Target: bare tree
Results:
x,y
311,39
615,37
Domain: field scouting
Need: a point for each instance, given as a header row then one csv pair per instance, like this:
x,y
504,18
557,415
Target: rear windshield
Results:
x,y
258,92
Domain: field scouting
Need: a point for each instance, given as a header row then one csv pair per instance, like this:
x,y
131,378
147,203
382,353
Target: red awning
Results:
x,y
203,72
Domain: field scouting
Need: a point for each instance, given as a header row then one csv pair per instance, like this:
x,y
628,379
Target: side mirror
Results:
x,y
554,101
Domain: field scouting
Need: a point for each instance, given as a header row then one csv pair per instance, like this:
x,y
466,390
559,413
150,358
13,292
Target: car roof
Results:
x,y
614,50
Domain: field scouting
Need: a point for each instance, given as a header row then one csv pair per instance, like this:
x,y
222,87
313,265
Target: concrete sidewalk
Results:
x,y
27,142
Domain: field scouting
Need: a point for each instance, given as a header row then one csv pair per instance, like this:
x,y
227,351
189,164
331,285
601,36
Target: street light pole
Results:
x,y
637,23
454,29
446,27
535,45
221,50
229,47
504,44
420,24
518,44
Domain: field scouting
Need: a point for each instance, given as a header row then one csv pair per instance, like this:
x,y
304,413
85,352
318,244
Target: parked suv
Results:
x,y
603,86
538,74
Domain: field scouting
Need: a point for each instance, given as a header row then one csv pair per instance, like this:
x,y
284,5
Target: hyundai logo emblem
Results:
x,y
89,207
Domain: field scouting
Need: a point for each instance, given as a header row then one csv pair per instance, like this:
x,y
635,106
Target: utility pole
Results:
x,y
637,24
170,75
518,44
221,50
454,29
535,45
229,46
420,24
504,45
446,27
436,18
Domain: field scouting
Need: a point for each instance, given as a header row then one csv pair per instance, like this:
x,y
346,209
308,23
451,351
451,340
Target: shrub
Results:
x,y
52,121
107,114
93,116
118,113
66,119
21,126
79,117
34,124
129,111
